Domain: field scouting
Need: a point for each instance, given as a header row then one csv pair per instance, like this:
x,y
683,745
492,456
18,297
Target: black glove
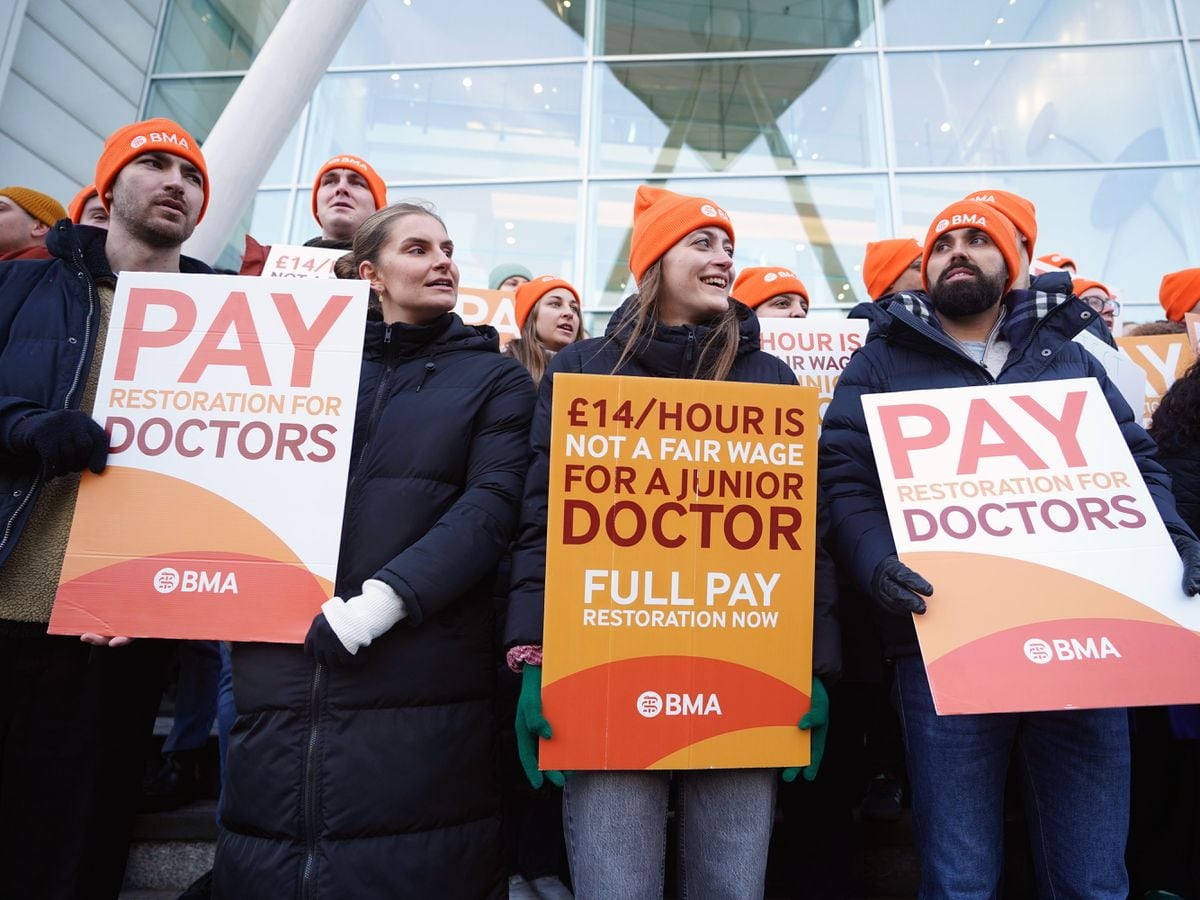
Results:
x,y
895,587
65,440
1189,552
323,645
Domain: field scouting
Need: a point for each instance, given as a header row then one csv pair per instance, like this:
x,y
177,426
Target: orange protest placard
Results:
x,y
1164,357
679,577
479,307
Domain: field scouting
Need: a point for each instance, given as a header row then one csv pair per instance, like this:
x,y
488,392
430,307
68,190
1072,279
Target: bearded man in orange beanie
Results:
x,y
76,713
976,329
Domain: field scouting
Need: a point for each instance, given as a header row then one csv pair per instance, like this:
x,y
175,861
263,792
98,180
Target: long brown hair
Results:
x,y
716,354
531,352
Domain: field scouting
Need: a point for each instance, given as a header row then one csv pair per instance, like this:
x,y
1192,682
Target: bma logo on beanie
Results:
x,y
961,220
982,198
775,276
138,141
714,212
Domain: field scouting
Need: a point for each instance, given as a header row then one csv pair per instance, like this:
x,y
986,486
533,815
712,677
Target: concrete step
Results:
x,y
170,850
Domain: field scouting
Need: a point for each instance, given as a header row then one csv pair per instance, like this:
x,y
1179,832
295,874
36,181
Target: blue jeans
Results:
x,y
196,697
1074,766
616,823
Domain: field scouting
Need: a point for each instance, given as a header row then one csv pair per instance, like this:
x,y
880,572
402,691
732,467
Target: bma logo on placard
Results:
x,y
651,704
191,581
1069,650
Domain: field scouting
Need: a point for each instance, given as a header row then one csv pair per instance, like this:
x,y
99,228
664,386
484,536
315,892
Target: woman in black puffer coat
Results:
x,y
361,766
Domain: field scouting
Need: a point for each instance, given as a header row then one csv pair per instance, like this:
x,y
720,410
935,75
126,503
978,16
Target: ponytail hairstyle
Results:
x,y
716,354
374,232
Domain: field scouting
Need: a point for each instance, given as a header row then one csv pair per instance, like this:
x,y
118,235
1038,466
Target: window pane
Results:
x,y
542,217
266,220
458,123
210,36
724,26
197,103
1191,14
815,226
929,22
392,32
1039,107
1124,228
816,112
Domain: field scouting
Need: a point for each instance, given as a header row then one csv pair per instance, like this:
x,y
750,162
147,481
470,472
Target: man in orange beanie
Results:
x,y
892,266
1059,261
1023,215
86,208
1179,293
975,329
25,217
72,742
345,193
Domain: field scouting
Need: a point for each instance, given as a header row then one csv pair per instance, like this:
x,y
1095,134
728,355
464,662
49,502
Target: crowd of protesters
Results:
x,y
394,754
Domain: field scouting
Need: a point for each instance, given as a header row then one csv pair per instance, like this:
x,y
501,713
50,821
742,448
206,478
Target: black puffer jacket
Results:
x,y
375,781
665,352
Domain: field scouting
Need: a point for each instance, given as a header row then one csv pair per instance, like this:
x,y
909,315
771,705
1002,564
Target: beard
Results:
x,y
133,213
962,299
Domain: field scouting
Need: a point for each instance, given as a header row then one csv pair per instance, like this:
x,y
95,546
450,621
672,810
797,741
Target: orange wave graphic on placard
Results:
x,y
146,505
241,598
998,593
614,734
128,530
1080,663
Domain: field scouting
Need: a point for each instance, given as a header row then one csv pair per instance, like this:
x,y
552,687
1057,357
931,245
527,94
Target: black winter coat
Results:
x,y
907,350
665,352
375,780
49,317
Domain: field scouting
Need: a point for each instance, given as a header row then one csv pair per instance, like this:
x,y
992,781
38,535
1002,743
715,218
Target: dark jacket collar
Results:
x,y
1025,310
65,239
673,350
446,332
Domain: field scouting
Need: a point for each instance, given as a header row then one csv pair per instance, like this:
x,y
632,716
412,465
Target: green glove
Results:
x,y
531,725
816,720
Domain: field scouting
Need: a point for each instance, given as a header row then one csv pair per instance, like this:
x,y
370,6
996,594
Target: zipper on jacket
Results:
x,y
688,354
309,784
77,258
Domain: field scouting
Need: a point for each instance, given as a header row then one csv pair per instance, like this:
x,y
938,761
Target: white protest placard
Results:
x,y
1055,582
229,403
290,261
1128,376
815,349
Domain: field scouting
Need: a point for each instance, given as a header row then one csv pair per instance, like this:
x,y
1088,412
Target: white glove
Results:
x,y
361,619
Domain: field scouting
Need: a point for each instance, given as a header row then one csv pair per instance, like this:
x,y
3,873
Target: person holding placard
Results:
x,y
346,191
681,324
974,328
772,293
74,718
361,765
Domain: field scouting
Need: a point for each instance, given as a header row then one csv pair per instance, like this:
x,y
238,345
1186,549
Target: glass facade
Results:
x,y
819,125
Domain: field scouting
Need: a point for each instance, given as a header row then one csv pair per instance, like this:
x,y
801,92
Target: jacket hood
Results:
x,y
671,350
66,237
